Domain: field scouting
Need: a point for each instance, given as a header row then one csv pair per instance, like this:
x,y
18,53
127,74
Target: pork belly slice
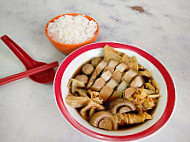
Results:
x,y
118,71
129,75
117,75
96,72
121,67
137,82
108,89
99,83
112,83
106,75
111,66
119,91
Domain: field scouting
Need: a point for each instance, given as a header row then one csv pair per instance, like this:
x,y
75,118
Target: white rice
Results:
x,y
72,29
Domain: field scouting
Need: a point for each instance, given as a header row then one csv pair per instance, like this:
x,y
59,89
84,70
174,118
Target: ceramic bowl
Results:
x,y
163,110
68,48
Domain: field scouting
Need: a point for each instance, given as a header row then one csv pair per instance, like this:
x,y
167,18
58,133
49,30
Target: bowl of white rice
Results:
x,y
68,32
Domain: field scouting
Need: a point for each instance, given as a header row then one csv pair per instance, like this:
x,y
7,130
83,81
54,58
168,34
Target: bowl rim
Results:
x,y
72,14
171,96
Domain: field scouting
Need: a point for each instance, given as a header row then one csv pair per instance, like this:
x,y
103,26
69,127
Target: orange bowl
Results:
x,y
68,48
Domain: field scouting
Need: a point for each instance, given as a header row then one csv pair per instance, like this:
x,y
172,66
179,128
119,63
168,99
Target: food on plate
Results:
x,y
72,29
113,92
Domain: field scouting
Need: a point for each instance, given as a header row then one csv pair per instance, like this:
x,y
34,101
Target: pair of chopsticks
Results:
x,y
27,73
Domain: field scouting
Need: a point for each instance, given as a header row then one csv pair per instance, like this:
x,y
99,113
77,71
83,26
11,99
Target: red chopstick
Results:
x,y
30,72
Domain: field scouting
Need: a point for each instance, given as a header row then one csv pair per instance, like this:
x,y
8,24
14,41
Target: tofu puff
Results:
x,y
113,91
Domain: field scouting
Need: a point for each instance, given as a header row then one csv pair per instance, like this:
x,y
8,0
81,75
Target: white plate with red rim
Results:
x,y
163,110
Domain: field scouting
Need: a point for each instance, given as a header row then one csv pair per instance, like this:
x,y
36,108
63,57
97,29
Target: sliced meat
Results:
x,y
111,66
106,75
106,92
121,67
96,61
129,92
137,82
112,83
119,91
87,69
96,72
117,75
108,89
129,75
83,78
99,83
122,86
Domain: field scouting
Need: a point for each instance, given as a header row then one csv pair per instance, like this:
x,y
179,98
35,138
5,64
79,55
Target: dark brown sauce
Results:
x,y
122,127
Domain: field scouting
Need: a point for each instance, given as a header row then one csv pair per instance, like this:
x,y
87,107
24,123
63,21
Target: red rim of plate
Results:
x,y
164,118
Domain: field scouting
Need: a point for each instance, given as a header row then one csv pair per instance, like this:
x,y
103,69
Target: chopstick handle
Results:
x,y
27,73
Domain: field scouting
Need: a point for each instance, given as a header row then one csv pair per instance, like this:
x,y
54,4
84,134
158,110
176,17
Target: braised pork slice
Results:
x,y
96,72
112,83
99,83
121,67
129,75
137,82
106,75
119,91
117,74
111,66
108,89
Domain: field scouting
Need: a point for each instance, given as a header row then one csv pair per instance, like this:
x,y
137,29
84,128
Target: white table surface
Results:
x,y
28,112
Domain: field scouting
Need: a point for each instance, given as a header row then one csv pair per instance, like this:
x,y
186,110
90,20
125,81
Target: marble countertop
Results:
x,y
28,112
